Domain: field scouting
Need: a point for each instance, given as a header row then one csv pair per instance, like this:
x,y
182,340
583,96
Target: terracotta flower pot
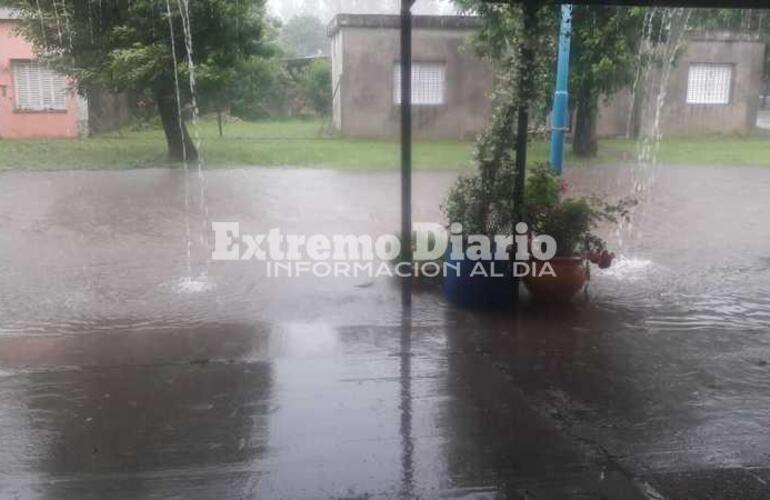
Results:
x,y
571,277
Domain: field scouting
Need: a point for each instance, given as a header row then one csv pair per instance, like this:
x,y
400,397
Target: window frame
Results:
x,y
396,83
730,84
15,65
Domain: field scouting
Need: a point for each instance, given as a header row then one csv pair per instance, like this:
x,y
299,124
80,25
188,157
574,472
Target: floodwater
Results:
x,y
121,377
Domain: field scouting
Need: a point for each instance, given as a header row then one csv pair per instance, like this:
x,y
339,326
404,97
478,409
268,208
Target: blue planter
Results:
x,y
488,292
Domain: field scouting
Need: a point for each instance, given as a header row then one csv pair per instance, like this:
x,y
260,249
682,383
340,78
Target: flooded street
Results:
x,y
120,379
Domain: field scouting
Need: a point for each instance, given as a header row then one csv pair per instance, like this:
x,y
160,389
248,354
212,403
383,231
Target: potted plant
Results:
x,y
482,203
571,222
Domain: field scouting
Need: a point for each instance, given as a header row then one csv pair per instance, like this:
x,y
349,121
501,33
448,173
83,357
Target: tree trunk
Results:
x,y
180,145
584,142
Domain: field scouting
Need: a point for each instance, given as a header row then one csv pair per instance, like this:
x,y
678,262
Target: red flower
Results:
x,y
564,187
602,259
605,261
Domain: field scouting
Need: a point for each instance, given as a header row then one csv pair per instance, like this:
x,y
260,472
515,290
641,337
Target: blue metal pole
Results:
x,y
560,117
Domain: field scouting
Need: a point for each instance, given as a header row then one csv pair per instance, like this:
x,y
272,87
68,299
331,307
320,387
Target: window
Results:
x,y
38,88
709,84
428,83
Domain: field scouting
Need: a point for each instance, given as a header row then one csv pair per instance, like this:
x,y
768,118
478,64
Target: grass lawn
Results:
x,y
299,143
733,151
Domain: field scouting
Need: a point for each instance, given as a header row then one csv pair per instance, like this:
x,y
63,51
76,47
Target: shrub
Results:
x,y
261,90
316,86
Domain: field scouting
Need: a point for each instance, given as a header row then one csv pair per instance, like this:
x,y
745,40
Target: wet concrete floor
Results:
x,y
120,380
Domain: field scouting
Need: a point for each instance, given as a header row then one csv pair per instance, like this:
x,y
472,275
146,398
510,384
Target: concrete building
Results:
x,y
714,88
450,84
34,100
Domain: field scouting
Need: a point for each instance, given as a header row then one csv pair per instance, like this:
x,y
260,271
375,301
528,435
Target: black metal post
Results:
x,y
526,72
407,444
406,146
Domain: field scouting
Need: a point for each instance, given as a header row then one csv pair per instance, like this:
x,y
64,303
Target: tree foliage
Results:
x,y
165,48
305,36
261,90
314,87
605,48
483,202
605,54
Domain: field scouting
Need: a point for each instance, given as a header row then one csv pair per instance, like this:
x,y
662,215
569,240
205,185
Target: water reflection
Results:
x,y
137,414
405,382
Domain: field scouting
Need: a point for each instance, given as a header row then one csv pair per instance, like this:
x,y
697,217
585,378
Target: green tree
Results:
x,y
315,85
147,46
605,48
605,53
483,202
305,36
261,91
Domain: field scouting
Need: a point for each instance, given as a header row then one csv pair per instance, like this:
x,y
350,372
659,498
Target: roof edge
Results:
x,y
723,36
9,13
390,21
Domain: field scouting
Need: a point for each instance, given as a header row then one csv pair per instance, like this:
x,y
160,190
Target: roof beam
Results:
x,y
717,4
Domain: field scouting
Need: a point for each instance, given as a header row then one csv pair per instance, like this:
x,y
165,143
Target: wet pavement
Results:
x,y
119,379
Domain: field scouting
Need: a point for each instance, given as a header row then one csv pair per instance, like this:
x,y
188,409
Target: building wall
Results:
x,y
679,118
739,117
366,107
337,64
27,124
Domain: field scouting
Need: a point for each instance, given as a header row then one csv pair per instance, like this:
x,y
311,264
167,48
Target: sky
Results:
x,y
326,9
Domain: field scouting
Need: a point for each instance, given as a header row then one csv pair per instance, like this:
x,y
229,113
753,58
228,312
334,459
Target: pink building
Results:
x,y
35,102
